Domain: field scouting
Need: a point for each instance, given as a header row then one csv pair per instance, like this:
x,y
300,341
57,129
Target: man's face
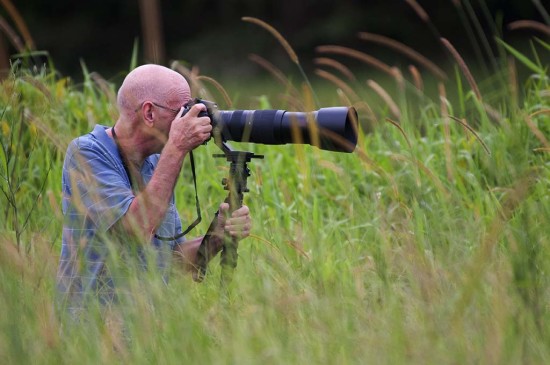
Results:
x,y
167,110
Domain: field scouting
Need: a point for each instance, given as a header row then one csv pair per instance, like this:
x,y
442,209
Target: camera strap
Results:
x,y
198,206
192,160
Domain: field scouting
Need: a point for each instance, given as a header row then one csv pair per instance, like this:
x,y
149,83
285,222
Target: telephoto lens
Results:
x,y
332,129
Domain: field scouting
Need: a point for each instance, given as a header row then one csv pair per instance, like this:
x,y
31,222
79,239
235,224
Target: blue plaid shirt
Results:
x,y
96,194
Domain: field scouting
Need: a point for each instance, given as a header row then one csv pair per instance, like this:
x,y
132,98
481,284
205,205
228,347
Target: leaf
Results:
x,y
526,61
542,43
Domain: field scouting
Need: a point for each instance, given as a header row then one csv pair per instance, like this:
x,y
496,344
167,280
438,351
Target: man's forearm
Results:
x,y
149,207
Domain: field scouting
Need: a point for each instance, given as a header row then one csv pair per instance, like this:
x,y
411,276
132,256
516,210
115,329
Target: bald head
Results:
x,y
152,83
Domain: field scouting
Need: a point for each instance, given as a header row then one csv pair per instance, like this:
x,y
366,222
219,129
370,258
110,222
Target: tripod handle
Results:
x,y
236,184
205,251
229,255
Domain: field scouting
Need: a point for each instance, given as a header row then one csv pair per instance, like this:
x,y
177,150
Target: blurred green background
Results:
x,y
211,34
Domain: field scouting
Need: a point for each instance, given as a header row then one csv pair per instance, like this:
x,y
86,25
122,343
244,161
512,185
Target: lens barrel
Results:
x,y
332,129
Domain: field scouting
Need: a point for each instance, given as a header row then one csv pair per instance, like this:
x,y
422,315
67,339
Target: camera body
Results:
x,y
211,107
333,129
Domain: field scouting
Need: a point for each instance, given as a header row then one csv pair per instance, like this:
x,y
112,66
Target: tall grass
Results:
x,y
428,245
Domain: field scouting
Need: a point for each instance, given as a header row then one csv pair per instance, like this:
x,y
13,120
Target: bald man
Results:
x,y
118,187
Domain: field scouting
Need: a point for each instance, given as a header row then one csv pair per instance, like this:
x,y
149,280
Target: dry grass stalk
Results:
x,y
296,246
261,239
536,131
463,67
444,102
276,34
39,86
427,171
292,102
278,74
338,170
542,111
398,75
407,51
11,35
395,124
325,61
286,46
371,117
307,95
191,75
343,97
53,201
357,55
354,120
108,91
417,78
19,22
59,141
419,10
338,82
104,86
364,158
394,109
12,258
338,140
464,124
467,126
483,256
359,106
531,25
493,113
218,87
513,80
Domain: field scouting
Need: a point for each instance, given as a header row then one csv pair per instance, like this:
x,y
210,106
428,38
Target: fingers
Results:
x,y
224,208
195,110
242,212
191,130
201,122
238,230
239,224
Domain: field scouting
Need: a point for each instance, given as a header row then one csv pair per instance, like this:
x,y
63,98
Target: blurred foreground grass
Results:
x,y
428,245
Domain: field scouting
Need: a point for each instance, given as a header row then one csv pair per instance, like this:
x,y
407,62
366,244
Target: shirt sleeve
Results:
x,y
98,185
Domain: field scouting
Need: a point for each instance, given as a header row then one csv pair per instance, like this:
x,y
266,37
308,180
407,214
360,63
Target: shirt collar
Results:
x,y
101,135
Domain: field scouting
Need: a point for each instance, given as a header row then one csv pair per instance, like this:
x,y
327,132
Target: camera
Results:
x,y
331,129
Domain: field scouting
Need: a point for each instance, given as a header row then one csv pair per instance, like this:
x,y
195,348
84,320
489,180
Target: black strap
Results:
x,y
192,225
198,220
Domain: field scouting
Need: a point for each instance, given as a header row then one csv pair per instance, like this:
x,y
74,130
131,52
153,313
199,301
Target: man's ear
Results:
x,y
147,112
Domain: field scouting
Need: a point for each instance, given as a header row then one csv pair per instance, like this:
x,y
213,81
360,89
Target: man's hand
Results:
x,y
190,131
238,225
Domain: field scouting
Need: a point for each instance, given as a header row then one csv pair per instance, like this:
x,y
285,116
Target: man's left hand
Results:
x,y
237,225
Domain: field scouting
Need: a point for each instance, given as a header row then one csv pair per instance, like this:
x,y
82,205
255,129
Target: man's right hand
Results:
x,y
190,131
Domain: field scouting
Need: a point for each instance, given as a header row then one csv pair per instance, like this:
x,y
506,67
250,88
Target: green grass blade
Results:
x,y
523,59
